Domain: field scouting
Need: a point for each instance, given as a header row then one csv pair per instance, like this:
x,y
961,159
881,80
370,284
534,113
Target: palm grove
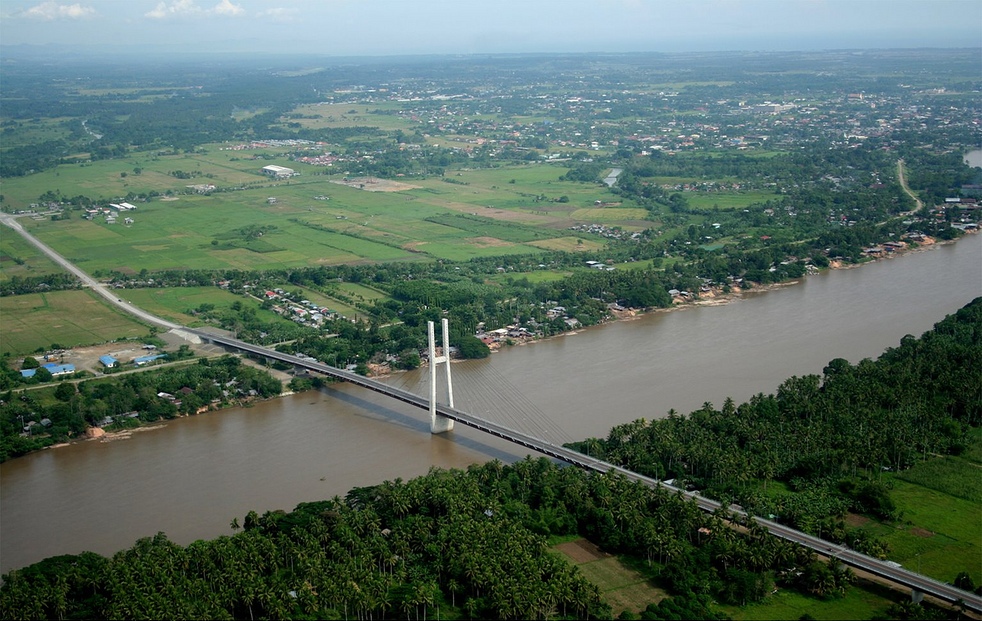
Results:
x,y
473,543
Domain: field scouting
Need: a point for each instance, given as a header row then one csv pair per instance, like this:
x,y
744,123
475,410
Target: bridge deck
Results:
x,y
928,586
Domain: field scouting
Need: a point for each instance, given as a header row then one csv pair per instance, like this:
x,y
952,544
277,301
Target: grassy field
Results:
x,y
726,200
858,603
533,277
67,318
609,214
509,210
360,292
940,535
32,132
570,244
174,303
954,476
622,587
323,115
19,258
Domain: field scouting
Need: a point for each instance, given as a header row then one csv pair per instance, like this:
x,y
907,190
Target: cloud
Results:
x,y
52,10
280,14
184,8
225,7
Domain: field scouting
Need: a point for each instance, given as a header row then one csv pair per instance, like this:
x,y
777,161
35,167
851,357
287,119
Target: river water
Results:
x,y
190,477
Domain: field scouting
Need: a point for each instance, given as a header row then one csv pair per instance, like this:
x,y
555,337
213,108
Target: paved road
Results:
x,y
899,575
87,281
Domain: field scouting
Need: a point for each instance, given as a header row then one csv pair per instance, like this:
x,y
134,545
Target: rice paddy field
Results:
x,y
19,258
310,220
65,318
176,303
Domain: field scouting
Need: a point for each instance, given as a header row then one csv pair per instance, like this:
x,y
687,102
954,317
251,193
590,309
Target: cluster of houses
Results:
x,y
53,367
111,213
516,332
610,232
303,312
108,362
494,338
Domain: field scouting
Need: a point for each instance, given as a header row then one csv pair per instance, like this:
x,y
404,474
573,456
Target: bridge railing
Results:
x,y
899,575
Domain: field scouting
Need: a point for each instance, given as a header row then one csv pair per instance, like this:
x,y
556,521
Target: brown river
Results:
x,y
190,477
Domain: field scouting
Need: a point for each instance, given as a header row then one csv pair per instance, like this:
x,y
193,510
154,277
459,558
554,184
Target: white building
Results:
x,y
278,172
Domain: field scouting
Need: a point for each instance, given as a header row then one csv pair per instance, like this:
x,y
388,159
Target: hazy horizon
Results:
x,y
439,27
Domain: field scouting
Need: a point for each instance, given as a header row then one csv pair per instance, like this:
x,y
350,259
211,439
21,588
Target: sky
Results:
x,y
402,27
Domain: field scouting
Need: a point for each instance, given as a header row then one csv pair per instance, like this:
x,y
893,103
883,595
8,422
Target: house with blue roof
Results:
x,y
109,362
53,368
142,360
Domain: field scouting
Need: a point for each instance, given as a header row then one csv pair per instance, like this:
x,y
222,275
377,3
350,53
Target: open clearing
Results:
x,y
859,602
19,258
622,587
68,318
375,184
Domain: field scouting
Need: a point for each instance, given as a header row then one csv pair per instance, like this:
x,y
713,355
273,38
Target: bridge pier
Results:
x,y
438,423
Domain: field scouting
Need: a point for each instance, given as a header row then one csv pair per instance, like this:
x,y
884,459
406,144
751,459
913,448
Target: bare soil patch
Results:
x,y
855,520
921,532
488,242
581,551
374,184
622,587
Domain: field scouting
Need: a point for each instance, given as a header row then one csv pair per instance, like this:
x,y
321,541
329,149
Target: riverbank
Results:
x,y
719,298
190,480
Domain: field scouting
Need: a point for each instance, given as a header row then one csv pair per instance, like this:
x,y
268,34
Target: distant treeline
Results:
x,y
18,285
472,543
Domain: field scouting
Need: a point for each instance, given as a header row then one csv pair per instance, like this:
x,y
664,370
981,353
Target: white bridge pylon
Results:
x,y
438,423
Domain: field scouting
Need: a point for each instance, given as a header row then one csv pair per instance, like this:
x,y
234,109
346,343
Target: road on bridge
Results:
x,y
899,575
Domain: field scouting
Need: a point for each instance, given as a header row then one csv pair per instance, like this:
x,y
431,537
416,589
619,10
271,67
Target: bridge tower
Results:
x,y
439,424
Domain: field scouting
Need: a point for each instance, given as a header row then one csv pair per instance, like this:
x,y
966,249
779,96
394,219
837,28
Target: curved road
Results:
x,y
899,575
87,281
902,178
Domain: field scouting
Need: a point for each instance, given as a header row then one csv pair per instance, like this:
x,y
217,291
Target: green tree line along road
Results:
x,y
736,171
426,543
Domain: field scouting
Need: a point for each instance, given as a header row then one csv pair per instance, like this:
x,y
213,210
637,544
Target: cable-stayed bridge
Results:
x,y
918,584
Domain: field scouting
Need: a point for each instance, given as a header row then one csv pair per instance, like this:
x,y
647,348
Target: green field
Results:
x,y
488,212
360,292
609,214
726,200
535,277
67,318
174,302
20,258
859,602
32,132
940,535
621,586
321,115
570,244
